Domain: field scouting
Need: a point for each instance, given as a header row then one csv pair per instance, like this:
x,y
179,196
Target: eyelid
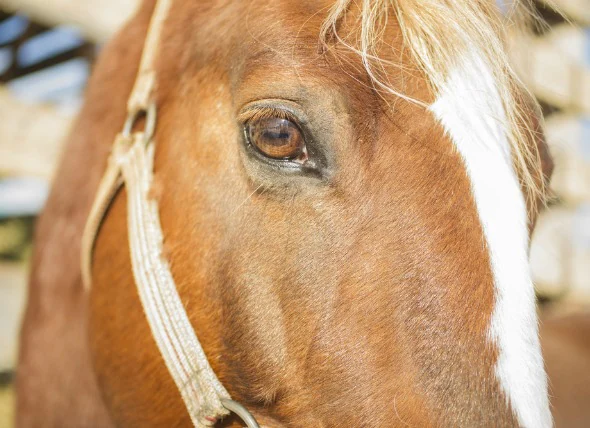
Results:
x,y
266,112
273,107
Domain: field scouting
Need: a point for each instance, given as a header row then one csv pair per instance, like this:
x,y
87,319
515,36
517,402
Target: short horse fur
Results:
x,y
363,295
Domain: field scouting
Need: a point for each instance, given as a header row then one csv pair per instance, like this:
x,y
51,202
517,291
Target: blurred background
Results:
x,y
47,48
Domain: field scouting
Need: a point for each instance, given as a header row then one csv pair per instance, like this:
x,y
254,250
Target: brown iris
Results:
x,y
276,138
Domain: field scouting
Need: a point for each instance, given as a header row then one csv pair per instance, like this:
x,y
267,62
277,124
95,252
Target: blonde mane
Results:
x,y
438,34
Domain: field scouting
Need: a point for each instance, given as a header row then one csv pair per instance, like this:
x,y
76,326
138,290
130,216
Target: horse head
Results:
x,y
345,197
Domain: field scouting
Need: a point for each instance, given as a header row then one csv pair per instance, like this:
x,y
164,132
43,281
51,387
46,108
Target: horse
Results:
x,y
346,192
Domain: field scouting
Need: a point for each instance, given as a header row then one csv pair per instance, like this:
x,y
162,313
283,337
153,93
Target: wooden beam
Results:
x,y
13,281
558,78
577,10
97,20
31,137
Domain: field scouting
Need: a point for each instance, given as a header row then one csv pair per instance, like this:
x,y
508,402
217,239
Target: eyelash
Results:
x,y
266,112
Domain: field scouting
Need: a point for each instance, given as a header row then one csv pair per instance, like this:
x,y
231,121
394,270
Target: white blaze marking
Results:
x,y
472,113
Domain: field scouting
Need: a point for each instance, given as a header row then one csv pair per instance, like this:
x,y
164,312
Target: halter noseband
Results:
x,y
131,164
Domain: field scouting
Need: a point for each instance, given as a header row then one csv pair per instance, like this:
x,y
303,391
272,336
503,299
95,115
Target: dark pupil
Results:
x,y
276,138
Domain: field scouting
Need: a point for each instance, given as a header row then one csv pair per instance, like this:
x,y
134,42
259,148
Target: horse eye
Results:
x,y
277,138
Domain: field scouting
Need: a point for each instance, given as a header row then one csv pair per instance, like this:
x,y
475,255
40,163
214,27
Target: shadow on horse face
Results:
x,y
351,287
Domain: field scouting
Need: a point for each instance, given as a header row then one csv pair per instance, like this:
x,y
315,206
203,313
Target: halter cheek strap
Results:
x,y
131,164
